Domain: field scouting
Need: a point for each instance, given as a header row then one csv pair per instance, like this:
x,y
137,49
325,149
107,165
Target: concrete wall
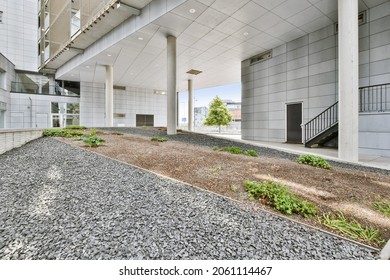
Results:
x,y
19,32
305,70
13,138
34,110
130,102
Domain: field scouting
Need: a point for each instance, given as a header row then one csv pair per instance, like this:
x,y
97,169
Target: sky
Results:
x,y
203,97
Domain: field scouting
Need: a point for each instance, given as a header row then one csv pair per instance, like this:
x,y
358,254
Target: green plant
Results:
x,y
351,228
314,161
78,127
383,206
216,148
68,133
92,132
251,153
93,140
159,139
233,150
280,198
234,188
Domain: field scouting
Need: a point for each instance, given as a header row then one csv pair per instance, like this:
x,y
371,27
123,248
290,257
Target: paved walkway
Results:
x,y
328,153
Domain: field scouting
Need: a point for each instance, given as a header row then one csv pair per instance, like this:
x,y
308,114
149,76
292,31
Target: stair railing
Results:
x,y
321,122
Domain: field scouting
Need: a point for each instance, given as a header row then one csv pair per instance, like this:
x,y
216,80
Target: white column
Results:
x,y
52,84
171,86
190,106
109,112
348,80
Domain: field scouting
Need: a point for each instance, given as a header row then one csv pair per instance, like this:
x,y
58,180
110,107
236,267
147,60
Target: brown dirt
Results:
x,y
339,189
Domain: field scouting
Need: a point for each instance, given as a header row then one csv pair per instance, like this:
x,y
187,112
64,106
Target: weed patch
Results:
x,y
383,206
351,228
280,198
314,161
68,133
77,127
236,151
251,153
159,139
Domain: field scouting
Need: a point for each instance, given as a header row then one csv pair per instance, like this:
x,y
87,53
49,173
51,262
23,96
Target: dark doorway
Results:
x,y
294,121
144,120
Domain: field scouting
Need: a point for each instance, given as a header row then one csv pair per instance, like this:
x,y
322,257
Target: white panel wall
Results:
x,y
18,33
130,102
34,110
305,70
7,77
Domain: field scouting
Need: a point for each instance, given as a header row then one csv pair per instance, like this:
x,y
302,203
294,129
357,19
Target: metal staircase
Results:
x,y
322,128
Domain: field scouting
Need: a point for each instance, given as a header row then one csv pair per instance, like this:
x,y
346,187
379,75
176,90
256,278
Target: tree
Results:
x,y
218,114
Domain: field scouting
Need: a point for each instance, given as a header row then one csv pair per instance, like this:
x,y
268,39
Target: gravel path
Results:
x,y
59,202
210,141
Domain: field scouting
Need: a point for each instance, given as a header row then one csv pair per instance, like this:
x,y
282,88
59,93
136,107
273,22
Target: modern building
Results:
x,y
295,58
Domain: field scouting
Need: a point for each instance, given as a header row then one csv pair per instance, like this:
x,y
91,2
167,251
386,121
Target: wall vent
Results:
x,y
194,72
119,87
261,57
362,19
116,116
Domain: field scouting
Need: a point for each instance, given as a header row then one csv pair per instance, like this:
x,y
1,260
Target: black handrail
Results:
x,y
321,122
374,98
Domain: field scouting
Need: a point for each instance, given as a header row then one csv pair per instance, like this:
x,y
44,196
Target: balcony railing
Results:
x,y
44,89
374,98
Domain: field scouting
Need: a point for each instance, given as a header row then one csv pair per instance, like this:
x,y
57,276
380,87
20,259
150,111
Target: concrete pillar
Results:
x,y
171,86
52,84
109,112
348,80
190,106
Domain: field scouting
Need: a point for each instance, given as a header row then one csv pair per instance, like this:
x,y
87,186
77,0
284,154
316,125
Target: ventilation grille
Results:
x,y
117,116
261,57
119,87
362,19
194,72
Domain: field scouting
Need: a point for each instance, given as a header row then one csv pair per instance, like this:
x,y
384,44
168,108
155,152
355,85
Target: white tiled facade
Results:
x,y
18,33
305,70
129,102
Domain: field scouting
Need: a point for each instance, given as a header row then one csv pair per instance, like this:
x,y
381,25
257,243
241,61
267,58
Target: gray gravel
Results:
x,y
59,202
210,141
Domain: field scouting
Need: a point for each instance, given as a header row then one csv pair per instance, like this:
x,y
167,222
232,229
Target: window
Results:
x,y
65,114
261,57
1,16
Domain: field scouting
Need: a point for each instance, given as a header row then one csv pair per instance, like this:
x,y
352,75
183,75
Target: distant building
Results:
x,y
200,114
234,109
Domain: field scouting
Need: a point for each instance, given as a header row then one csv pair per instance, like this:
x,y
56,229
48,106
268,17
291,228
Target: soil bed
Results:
x,y
350,189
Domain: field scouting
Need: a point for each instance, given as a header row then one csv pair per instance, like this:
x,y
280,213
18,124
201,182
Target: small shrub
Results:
x,y
77,127
314,161
68,133
280,198
251,153
233,150
159,139
216,148
383,206
351,228
234,188
93,140
92,132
